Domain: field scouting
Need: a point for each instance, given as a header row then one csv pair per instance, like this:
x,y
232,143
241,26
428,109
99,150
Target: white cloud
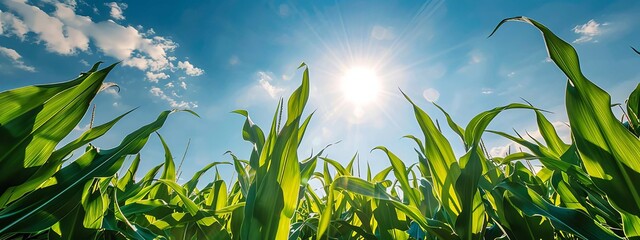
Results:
x,y
382,33
64,32
183,85
265,79
189,69
117,10
154,77
487,91
61,29
16,59
48,29
84,62
10,53
588,31
431,94
501,151
169,85
155,91
10,24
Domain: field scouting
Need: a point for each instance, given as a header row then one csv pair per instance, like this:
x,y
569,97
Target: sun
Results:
x,y
360,85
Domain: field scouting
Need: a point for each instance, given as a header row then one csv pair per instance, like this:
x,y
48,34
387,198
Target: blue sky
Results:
x,y
218,56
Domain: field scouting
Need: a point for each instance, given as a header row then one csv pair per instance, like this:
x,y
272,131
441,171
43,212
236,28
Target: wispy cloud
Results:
x,y
117,10
487,91
382,33
189,69
265,79
156,91
16,59
588,31
12,25
155,77
501,151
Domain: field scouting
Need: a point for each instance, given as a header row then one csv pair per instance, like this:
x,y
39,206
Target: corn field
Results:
x,y
587,189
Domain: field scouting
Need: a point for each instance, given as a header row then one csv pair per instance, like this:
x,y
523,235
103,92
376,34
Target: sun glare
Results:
x,y
360,85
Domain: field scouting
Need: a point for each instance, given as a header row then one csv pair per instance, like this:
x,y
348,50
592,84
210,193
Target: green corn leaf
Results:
x,y
138,190
550,135
54,162
243,175
442,162
359,186
35,118
273,195
549,160
188,204
128,179
633,110
453,125
631,225
303,127
46,206
609,152
217,197
565,219
191,184
479,123
417,141
70,227
142,206
298,100
95,202
514,157
471,221
253,134
382,175
339,168
169,172
400,171
521,226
